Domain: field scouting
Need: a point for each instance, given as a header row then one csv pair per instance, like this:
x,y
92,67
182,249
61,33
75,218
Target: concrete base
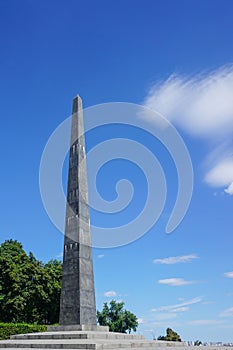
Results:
x,y
84,339
78,327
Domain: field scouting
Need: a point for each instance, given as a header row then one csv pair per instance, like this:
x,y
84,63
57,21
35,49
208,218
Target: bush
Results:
x,y
8,329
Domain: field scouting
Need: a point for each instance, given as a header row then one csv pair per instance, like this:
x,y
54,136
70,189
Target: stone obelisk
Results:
x,y
77,305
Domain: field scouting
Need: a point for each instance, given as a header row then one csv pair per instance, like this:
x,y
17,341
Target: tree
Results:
x,y
29,289
197,343
171,336
117,318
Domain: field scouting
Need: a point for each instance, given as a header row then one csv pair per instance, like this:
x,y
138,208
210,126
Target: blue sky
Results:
x,y
171,56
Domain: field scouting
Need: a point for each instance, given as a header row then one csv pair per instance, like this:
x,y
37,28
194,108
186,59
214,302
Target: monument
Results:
x,y
77,306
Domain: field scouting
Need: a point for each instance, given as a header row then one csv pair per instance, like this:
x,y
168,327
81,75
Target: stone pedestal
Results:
x,y
85,339
78,327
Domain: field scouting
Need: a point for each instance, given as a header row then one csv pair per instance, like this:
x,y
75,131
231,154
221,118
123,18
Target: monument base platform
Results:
x,y
78,327
84,339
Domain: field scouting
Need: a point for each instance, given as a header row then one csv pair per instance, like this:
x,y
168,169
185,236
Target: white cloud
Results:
x,y
228,274
141,320
181,309
164,324
229,189
226,326
164,316
171,308
208,302
119,301
204,322
227,313
202,105
175,282
221,175
176,259
110,294
100,256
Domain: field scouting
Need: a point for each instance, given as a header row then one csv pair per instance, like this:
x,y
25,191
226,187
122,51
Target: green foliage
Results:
x,y
171,336
29,289
8,329
117,318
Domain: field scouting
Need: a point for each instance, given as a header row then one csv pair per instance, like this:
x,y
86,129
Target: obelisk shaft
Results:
x,y
77,306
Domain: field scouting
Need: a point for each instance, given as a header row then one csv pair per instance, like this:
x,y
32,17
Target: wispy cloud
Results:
x,y
59,256
227,313
229,189
119,301
229,274
204,322
175,282
171,308
100,256
110,294
164,316
167,314
221,175
176,259
140,320
202,105
208,302
181,309
164,324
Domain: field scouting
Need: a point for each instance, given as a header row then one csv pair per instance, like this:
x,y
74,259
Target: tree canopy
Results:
x,y
117,318
170,336
29,289
197,343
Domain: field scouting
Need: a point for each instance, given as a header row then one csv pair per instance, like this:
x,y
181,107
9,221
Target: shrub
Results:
x,y
8,329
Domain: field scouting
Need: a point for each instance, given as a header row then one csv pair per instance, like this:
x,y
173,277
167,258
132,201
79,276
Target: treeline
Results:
x,y
29,289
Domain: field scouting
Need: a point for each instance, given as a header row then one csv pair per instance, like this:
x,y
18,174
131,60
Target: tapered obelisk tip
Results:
x,y
77,104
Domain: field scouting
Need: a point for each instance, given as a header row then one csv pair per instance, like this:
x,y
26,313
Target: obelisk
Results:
x,y
77,305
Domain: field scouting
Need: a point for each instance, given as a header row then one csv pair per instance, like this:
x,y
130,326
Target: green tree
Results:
x,y
197,343
171,336
29,289
117,318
